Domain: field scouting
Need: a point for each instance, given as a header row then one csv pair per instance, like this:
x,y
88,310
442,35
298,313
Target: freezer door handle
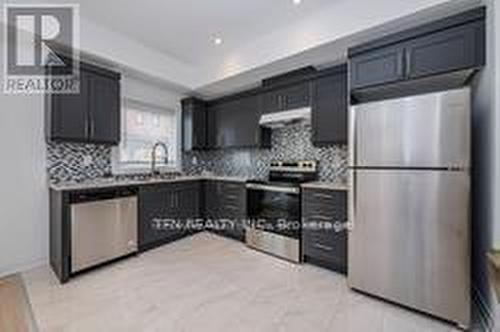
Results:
x,y
352,136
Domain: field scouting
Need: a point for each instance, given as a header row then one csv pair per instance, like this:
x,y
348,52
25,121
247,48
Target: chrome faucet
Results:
x,y
153,156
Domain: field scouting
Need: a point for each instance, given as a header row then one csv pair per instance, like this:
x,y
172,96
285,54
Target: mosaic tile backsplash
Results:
x,y
288,143
77,162
80,162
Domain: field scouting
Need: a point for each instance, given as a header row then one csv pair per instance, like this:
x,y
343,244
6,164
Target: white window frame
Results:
x,y
120,168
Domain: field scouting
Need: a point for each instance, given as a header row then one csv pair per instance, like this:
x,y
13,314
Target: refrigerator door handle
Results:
x,y
351,197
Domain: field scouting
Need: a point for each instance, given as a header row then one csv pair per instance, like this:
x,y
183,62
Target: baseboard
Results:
x,y
485,316
23,267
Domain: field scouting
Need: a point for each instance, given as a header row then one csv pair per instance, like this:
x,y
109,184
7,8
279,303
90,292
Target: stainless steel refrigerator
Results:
x,y
409,202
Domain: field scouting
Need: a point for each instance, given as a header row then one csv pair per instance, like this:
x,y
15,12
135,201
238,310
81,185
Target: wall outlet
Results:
x,y
87,161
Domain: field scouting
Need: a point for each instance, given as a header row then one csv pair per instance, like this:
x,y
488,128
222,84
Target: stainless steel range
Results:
x,y
273,208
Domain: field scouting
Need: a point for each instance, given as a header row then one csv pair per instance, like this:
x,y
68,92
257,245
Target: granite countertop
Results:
x,y
325,185
114,182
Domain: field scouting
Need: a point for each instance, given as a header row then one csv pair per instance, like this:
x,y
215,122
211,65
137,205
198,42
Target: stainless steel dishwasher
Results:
x,y
103,226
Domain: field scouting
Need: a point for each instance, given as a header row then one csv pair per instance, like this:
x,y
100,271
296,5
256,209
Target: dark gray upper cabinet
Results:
x,y
287,91
104,108
91,116
329,107
448,45
288,97
234,122
382,66
211,126
67,114
194,124
226,114
453,49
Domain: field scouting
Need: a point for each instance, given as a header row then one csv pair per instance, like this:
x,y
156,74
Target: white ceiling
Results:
x,y
171,41
185,29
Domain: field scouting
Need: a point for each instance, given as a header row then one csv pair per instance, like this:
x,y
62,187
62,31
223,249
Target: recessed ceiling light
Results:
x,y
297,2
217,41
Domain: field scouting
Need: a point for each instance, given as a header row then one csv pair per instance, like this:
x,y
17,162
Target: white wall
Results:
x,y
486,163
23,187
24,221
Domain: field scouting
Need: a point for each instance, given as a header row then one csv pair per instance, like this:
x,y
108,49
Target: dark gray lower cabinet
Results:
x,y
225,208
168,212
324,233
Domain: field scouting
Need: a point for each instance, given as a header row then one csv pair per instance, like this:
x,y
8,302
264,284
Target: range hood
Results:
x,y
281,119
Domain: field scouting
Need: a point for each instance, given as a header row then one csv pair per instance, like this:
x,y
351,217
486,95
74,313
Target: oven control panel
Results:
x,y
294,166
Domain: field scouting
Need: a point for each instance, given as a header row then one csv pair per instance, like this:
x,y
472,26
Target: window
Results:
x,y
144,125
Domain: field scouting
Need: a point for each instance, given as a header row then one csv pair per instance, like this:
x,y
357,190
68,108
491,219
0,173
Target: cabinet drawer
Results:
x,y
230,193
324,236
327,246
325,203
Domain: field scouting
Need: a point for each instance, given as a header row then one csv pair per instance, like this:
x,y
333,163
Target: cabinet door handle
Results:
x,y
318,216
408,65
401,64
318,195
323,247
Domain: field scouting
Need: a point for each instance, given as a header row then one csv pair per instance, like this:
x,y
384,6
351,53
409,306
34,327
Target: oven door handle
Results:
x,y
286,190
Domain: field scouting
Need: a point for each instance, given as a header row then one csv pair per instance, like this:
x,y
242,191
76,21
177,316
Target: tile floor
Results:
x,y
208,283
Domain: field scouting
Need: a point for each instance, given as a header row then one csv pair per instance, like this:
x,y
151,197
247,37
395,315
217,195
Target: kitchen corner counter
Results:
x,y
112,182
325,185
